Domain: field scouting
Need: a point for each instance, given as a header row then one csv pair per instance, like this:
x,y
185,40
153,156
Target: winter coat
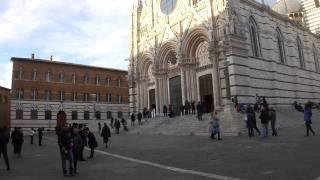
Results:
x,y
272,116
17,137
251,120
307,115
92,141
264,116
139,116
4,138
77,142
65,139
105,133
117,124
133,117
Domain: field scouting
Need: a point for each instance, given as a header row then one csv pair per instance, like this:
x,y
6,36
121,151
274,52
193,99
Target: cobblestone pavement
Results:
x,y
290,156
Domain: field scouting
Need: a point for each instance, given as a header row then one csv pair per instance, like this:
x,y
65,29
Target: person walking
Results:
x,y
193,107
215,126
187,107
117,125
76,148
182,109
65,146
40,135
4,140
264,116
99,127
32,133
106,134
307,119
133,119
92,142
124,124
250,121
112,122
139,116
17,141
273,119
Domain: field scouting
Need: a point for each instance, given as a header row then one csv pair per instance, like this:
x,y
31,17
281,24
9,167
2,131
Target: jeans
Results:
x,y
309,128
265,130
65,156
3,151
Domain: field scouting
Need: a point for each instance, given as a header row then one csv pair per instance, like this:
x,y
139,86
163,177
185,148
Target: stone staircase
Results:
x,y
189,125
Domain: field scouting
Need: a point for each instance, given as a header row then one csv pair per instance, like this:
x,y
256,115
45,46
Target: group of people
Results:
x,y
72,140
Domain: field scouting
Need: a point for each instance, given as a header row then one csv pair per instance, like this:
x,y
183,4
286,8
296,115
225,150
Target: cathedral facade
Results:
x,y
213,50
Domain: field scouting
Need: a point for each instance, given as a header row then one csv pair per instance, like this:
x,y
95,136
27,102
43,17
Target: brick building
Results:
x,y
4,106
45,90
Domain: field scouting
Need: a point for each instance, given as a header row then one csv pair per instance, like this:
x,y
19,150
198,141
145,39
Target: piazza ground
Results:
x,y
289,156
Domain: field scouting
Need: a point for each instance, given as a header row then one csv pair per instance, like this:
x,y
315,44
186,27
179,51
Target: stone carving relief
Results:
x,y
202,55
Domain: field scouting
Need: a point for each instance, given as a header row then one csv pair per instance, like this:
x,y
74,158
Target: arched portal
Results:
x,y
61,118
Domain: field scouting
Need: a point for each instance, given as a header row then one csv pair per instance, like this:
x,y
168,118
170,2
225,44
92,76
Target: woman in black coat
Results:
x,y
106,134
92,142
17,141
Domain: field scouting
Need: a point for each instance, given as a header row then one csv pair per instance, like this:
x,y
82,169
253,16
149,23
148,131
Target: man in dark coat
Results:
x,y
4,140
117,125
92,142
124,124
65,146
186,107
139,116
133,119
105,134
76,148
193,107
165,111
17,141
264,116
83,134
40,135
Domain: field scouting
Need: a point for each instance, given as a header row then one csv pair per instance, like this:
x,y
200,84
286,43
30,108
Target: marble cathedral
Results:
x,y
212,50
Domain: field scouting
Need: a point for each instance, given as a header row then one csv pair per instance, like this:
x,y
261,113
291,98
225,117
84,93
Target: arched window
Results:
x,y
254,37
20,73
119,114
109,115
98,115
74,115
19,114
86,79
316,58
47,115
86,115
300,52
281,49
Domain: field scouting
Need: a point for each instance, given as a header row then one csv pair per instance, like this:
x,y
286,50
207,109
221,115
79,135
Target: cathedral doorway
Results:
x,y
175,94
152,97
206,92
61,118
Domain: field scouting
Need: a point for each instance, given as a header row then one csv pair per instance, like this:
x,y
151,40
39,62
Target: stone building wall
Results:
x,y
5,106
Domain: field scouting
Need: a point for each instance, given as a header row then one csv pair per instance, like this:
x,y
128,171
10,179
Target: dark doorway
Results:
x,y
61,118
152,97
206,92
175,94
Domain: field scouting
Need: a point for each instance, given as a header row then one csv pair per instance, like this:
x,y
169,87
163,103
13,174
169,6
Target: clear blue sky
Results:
x,y
93,32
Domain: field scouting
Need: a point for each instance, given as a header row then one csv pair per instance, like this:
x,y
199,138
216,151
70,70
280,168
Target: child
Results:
x,y
215,126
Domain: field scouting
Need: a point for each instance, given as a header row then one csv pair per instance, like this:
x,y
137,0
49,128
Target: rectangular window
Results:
x,y
34,75
75,96
119,100
61,77
47,95
97,80
108,81
20,93
97,97
119,83
48,76
74,78
62,96
34,94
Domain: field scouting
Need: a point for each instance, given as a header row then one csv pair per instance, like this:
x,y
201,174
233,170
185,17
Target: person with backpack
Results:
x,y
106,134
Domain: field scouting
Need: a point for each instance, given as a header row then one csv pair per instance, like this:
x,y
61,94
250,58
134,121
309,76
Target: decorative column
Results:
x,y
213,56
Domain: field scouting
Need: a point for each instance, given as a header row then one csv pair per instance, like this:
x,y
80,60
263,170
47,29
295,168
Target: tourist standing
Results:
x,y
139,116
273,119
264,116
4,140
105,134
307,118
65,146
124,124
133,119
250,121
193,107
165,111
182,109
17,141
199,111
112,122
186,107
76,148
40,135
215,126
99,126
32,133
117,125
92,142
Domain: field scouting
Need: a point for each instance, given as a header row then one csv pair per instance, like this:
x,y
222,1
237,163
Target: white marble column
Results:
x,y
213,56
